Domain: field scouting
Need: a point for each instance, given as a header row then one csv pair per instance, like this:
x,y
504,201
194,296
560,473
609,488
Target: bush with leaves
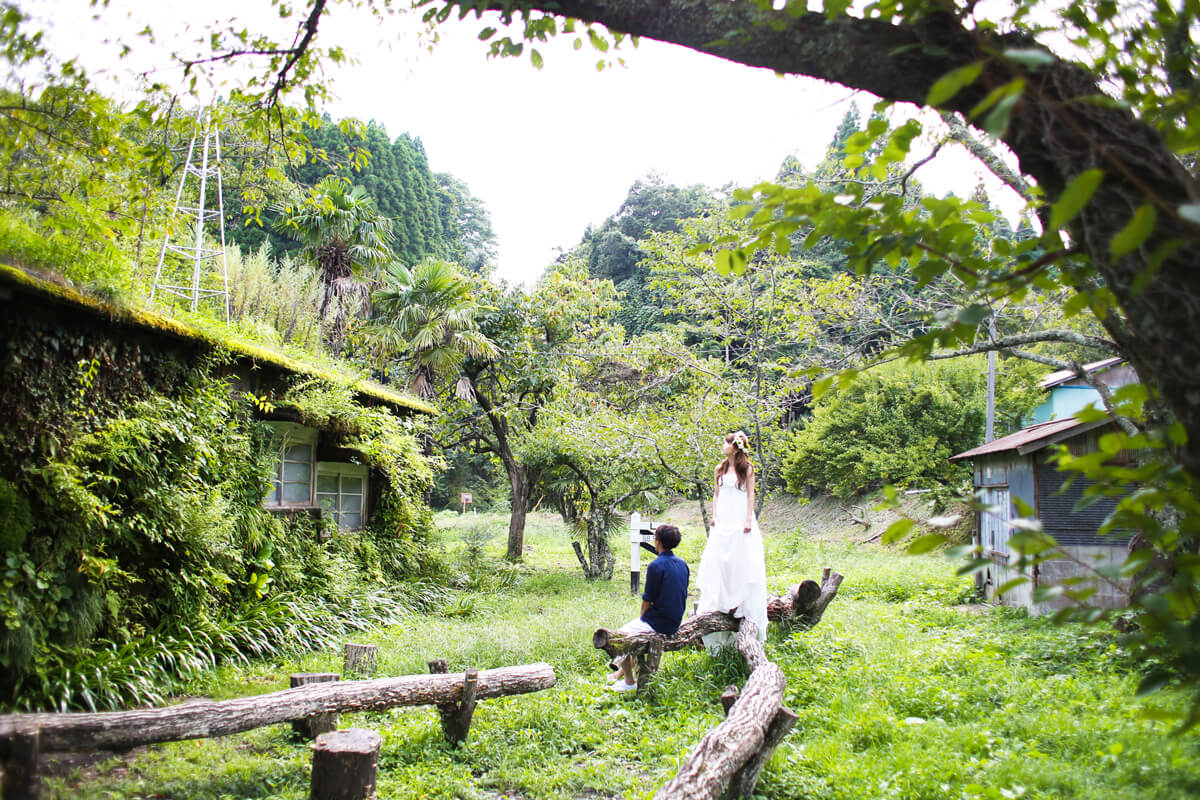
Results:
x,y
897,424
150,523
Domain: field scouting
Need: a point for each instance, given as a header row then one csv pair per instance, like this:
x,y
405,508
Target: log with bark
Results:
x,y
456,717
207,718
801,606
728,760
314,725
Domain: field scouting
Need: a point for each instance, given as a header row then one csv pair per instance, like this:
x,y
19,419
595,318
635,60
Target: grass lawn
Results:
x,y
904,690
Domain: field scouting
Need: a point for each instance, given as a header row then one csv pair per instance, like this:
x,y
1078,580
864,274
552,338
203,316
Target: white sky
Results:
x,y
550,151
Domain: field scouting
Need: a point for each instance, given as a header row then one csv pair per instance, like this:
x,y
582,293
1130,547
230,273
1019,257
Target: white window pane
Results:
x,y
350,522
298,452
327,483
329,501
351,502
272,498
296,492
297,472
352,484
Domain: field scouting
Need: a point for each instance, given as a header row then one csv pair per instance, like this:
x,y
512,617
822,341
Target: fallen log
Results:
x,y
728,749
801,606
207,718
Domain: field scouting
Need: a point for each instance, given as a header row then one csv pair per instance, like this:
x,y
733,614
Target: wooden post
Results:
x,y
648,661
456,717
19,759
728,698
360,659
314,725
345,764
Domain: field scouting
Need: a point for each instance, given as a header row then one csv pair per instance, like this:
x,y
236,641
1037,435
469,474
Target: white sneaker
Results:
x,y
622,686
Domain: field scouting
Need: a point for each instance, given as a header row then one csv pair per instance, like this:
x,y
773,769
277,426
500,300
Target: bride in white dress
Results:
x,y
733,574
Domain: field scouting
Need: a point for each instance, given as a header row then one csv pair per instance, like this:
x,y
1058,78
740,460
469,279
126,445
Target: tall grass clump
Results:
x,y
275,302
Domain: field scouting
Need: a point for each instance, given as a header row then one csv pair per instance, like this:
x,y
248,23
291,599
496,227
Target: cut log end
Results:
x,y
345,765
360,659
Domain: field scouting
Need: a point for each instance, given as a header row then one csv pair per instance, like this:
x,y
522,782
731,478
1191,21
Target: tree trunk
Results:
x,y
202,719
702,490
359,659
522,487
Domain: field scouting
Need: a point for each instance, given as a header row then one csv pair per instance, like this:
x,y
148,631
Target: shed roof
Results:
x,y
1033,438
1064,375
12,278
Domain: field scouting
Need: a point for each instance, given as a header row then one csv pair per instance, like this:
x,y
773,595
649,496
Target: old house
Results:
x,y
49,329
1017,470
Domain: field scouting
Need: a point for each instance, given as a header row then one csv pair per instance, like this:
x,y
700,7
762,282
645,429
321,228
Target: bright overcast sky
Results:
x,y
550,151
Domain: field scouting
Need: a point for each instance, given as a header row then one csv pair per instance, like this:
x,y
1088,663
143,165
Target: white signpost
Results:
x,y
641,535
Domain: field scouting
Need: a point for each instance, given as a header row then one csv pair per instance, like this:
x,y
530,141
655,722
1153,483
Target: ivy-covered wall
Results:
x,y
135,544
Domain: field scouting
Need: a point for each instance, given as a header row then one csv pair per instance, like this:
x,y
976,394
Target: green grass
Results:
x,y
902,692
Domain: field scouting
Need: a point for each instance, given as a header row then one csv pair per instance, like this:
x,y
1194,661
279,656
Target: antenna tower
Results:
x,y
208,136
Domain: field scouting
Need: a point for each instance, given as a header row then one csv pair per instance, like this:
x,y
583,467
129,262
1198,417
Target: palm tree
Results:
x,y
345,236
426,317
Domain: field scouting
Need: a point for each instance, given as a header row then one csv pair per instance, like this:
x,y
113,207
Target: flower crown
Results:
x,y
741,442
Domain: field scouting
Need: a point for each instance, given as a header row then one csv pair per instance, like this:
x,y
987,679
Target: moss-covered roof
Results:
x,y
154,322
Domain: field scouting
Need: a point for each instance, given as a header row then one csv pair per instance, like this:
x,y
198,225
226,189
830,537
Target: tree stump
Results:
x,y
345,764
360,659
19,760
314,725
456,717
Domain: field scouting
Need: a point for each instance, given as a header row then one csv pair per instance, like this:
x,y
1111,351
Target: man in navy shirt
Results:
x,y
663,601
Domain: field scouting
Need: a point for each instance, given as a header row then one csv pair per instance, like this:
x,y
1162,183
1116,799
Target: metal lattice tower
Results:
x,y
209,137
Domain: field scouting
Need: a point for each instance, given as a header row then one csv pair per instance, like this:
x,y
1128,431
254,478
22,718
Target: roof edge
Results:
x,y
155,322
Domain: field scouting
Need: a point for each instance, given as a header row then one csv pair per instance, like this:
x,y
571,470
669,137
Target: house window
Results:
x,y
292,478
342,493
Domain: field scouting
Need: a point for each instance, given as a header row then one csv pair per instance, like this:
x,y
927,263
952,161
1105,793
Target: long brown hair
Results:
x,y
741,463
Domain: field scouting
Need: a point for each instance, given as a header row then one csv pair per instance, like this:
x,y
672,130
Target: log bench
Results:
x,y
801,606
23,736
726,763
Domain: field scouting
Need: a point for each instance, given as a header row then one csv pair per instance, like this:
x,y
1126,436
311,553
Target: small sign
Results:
x,y
466,500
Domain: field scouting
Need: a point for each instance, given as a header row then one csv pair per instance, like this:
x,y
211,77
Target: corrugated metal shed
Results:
x,y
1064,375
1033,438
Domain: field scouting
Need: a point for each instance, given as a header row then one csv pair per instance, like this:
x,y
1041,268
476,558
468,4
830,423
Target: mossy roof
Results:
x,y
156,323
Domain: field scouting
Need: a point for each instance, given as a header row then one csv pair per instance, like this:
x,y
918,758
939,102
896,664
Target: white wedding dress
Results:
x,y
733,573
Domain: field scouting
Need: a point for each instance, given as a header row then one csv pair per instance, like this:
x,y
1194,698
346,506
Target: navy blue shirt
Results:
x,y
666,592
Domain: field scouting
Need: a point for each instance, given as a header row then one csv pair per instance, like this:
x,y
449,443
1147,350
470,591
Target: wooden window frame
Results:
x,y
292,434
340,469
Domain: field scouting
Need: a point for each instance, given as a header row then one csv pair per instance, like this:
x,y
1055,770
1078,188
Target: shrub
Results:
x,y
897,424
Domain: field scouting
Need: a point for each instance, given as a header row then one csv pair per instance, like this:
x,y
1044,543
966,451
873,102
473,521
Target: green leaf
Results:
x,y
536,58
996,122
721,263
1030,57
923,544
1135,231
897,530
952,83
1009,585
1075,197
486,34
